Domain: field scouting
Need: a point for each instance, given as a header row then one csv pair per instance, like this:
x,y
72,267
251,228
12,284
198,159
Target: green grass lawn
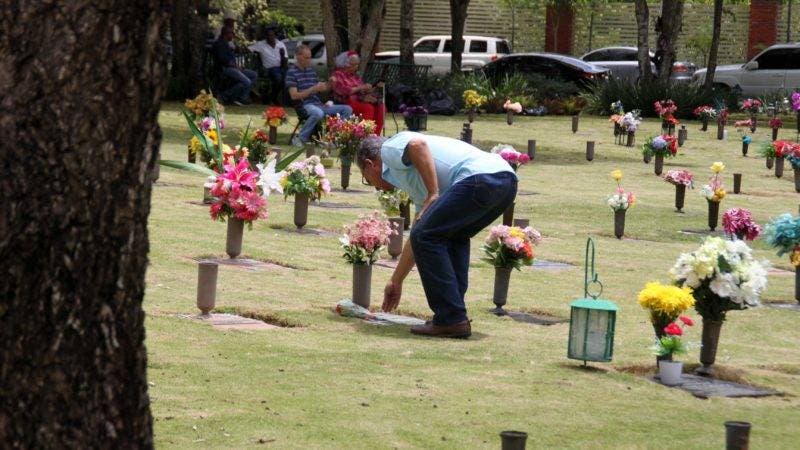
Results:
x,y
333,382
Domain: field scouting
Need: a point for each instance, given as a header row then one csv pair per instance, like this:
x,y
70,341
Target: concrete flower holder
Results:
x,y
779,162
737,183
680,197
502,277
713,215
589,150
300,210
658,167
396,240
362,284
206,286
575,120
619,223
531,148
708,351
233,241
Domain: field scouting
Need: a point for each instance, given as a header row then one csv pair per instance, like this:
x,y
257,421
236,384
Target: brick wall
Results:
x,y
764,15
559,29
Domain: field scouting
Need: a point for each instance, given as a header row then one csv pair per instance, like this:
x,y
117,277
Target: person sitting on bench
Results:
x,y
350,89
243,79
303,85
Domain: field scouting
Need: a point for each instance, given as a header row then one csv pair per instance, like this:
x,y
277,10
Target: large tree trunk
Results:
x,y
458,17
369,32
711,67
642,28
188,45
332,44
671,24
81,82
353,22
407,31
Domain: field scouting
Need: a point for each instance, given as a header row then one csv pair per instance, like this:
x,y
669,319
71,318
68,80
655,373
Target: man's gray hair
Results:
x,y
300,47
370,149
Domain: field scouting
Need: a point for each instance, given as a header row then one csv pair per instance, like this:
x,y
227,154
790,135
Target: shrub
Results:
x,y
643,95
514,87
548,88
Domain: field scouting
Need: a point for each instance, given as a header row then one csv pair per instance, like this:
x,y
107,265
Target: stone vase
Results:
x,y
709,341
471,116
619,223
513,440
737,435
713,214
502,277
770,162
745,148
737,183
646,157
683,134
753,123
658,167
510,117
796,180
704,121
396,239
233,241
775,134
589,150
508,215
680,196
405,213
191,156
362,284
273,135
531,148
206,286
779,160
631,139
720,131
300,210
346,163
575,120
670,372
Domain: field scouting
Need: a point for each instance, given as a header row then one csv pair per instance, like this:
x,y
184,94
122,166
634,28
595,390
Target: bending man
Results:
x,y
458,190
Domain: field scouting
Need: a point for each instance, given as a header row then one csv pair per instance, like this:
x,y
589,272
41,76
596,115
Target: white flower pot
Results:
x,y
670,372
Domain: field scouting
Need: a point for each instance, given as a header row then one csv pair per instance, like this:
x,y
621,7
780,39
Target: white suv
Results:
x,y
776,68
435,52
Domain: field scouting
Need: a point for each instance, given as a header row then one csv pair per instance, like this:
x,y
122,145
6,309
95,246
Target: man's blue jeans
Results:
x,y
316,113
243,81
440,239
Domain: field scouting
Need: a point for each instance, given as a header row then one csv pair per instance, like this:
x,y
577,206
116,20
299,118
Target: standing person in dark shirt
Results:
x,y
242,80
303,87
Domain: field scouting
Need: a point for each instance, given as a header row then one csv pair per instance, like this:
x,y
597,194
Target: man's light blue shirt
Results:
x,y
454,160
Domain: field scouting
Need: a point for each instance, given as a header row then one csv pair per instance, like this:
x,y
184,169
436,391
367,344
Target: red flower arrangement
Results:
x,y
673,329
775,122
665,108
274,116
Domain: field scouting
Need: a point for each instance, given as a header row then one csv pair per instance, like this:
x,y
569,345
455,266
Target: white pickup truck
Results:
x,y
776,68
435,51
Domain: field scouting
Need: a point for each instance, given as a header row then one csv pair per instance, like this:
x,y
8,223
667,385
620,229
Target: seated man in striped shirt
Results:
x,y
304,86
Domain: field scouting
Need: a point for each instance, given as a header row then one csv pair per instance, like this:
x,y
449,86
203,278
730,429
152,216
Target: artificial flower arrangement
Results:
x,y
617,108
783,233
514,107
257,142
671,342
472,100
409,111
778,149
664,146
392,201
775,123
739,222
796,101
510,155
620,200
705,112
680,178
274,116
724,276
306,178
666,111
630,121
346,134
363,240
713,191
752,105
239,192
791,152
747,123
510,247
202,105
665,303
722,115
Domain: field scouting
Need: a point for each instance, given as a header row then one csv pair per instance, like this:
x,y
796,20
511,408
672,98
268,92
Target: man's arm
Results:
x,y
419,154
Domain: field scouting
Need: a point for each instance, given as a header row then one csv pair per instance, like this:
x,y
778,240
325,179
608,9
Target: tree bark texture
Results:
x,y
188,44
458,18
81,84
329,22
671,24
407,34
643,26
369,31
353,22
711,67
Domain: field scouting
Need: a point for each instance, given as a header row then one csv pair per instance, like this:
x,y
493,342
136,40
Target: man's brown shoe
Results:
x,y
461,330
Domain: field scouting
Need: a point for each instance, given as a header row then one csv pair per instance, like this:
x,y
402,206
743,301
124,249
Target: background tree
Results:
x,y
345,29
187,30
671,22
642,36
82,83
458,19
407,34
711,66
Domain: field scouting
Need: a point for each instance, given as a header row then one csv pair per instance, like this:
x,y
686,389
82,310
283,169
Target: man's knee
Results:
x,y
314,114
347,111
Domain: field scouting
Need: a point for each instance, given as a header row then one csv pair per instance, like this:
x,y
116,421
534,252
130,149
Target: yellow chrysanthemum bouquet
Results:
x,y
665,303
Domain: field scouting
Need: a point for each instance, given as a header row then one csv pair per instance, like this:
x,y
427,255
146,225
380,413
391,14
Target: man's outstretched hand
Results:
x,y
391,296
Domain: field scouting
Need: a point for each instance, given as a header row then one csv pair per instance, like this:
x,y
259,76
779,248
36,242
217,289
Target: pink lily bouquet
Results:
x,y
739,222
680,177
511,247
511,156
305,177
241,192
363,240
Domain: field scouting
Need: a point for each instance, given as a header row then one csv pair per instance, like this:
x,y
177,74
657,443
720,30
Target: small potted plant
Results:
x,y
783,233
514,159
670,371
508,248
473,101
705,113
306,181
274,116
724,276
681,179
511,109
775,123
714,193
630,124
665,303
752,106
666,111
738,223
345,135
362,243
416,117
660,146
619,202
392,202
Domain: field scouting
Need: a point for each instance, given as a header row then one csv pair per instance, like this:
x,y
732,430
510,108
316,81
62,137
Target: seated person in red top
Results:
x,y
350,89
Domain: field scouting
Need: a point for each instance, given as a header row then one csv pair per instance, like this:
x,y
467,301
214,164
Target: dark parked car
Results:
x,y
624,63
550,65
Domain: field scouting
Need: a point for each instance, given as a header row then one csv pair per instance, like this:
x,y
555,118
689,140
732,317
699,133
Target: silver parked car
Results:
x,y
623,63
774,69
